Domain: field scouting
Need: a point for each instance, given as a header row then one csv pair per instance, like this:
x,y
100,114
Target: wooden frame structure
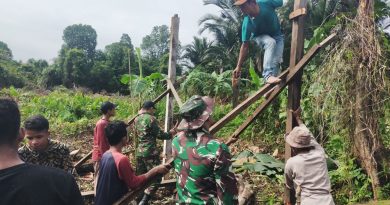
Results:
x,y
291,77
288,77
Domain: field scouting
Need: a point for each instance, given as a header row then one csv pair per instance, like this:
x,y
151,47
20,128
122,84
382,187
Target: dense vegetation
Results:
x,y
80,72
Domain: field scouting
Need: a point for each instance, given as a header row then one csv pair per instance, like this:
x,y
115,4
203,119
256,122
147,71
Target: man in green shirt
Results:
x,y
147,155
261,24
202,163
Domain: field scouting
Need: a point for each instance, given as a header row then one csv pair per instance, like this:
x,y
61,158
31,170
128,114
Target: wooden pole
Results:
x,y
173,52
130,72
236,90
294,88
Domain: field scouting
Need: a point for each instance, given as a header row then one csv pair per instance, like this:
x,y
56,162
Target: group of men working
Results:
x,y
202,163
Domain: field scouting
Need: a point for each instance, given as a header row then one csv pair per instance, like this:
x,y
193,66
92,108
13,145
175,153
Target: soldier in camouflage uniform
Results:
x,y
40,149
202,163
147,154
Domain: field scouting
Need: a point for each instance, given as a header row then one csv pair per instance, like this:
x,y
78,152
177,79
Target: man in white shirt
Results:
x,y
306,172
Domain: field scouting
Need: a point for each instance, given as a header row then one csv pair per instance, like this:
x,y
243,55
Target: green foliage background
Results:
x,y
70,90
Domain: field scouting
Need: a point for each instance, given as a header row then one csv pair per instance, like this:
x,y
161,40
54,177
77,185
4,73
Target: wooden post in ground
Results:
x,y
173,51
236,91
294,88
130,73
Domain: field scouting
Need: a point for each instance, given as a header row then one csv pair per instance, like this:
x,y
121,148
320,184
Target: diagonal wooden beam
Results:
x,y
275,92
174,92
84,159
242,106
134,193
297,13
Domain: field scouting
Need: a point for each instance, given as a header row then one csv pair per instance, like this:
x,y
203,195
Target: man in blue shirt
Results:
x,y
261,24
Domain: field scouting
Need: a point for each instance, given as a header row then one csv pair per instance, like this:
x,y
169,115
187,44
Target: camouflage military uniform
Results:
x,y
147,154
56,155
202,166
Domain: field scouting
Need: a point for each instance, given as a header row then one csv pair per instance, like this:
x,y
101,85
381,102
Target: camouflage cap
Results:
x,y
195,111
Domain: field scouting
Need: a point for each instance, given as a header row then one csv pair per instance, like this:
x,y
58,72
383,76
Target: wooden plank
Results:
x,y
134,193
309,55
88,194
327,40
242,106
161,96
87,157
82,160
168,181
156,100
297,13
251,118
276,90
173,55
174,92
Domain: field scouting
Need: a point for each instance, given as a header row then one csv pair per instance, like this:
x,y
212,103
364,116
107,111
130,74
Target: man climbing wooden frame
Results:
x,y
274,90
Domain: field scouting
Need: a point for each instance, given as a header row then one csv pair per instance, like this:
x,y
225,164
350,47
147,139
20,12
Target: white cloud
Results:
x,y
33,29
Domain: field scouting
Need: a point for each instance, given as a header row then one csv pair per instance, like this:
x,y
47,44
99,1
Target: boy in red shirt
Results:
x,y
116,176
100,143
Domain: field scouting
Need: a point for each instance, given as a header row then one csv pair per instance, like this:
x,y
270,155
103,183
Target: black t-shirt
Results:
x,y
28,184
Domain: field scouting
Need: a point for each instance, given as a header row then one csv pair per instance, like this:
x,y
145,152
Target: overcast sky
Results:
x,y
33,28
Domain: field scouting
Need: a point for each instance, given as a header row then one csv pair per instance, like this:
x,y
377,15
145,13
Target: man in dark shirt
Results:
x,y
27,184
116,176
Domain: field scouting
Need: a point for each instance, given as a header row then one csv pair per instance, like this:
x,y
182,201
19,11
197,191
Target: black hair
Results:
x,y
36,123
115,131
148,104
9,121
106,106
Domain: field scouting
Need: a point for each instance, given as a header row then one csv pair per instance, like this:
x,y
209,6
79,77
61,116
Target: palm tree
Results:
x,y
226,29
197,53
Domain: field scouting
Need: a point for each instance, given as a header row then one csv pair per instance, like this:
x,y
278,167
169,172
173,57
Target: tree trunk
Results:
x,y
366,139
